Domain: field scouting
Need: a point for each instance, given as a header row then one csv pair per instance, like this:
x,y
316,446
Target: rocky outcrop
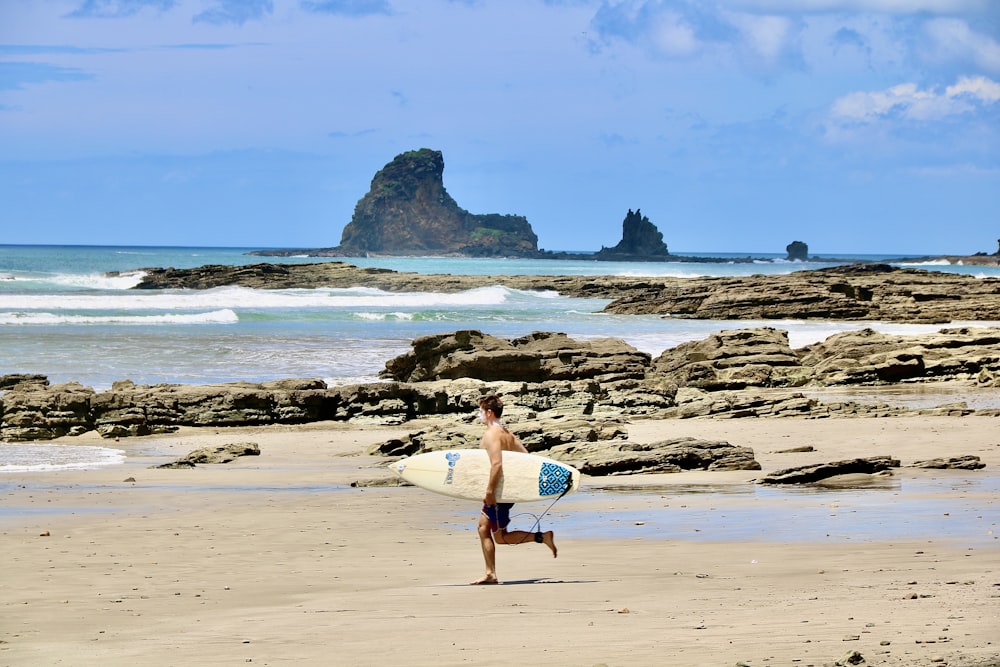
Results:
x,y
407,211
233,404
37,411
543,375
797,251
762,358
538,435
214,455
14,379
820,471
677,455
853,292
868,357
537,357
968,462
695,403
129,409
733,359
594,447
641,241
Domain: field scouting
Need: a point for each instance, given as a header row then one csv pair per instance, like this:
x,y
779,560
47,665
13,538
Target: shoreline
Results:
x,y
304,563
977,259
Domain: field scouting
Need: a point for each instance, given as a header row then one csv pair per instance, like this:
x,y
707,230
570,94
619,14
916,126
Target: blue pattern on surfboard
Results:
x,y
553,479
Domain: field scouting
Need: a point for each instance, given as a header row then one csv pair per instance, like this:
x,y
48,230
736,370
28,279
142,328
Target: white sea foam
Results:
x,y
349,380
16,457
666,273
381,317
246,298
222,316
122,281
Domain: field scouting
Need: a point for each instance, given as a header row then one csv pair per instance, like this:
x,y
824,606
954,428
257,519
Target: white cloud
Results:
x,y
908,101
767,37
979,87
954,39
673,36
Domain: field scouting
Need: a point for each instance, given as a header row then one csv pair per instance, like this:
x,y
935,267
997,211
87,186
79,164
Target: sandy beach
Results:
x,y
276,559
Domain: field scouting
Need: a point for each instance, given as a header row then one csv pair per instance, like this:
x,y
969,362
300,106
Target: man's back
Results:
x,y
496,433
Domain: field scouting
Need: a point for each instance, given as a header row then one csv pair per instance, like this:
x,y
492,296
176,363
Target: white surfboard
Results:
x,y
463,473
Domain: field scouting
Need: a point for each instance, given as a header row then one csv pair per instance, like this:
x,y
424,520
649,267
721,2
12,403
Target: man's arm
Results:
x,y
491,443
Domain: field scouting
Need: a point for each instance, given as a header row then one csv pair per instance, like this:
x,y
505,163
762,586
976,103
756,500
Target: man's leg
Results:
x,y
521,536
489,551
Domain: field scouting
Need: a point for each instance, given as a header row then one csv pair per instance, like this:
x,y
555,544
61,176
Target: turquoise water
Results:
x,y
63,317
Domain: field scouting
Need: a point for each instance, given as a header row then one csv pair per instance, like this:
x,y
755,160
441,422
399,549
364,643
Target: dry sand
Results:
x,y
275,560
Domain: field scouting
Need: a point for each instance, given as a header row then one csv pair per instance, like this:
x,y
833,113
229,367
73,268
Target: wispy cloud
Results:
x,y
672,34
348,7
235,11
350,135
771,37
766,40
678,29
908,101
682,30
110,9
208,46
16,75
954,39
50,49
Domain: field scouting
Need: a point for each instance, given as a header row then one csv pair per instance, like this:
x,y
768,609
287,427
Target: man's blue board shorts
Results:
x,y
499,515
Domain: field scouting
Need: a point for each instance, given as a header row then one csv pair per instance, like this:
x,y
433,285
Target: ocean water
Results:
x,y
62,316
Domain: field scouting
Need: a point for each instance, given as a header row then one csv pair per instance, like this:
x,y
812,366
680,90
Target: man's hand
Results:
x,y
489,499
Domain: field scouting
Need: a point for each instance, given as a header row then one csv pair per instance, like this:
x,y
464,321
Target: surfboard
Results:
x,y
463,473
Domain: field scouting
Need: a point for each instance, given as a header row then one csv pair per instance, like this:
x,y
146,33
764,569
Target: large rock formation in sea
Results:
x,y
407,211
797,250
641,241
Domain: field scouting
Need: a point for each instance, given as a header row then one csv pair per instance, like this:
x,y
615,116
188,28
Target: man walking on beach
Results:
x,y
495,516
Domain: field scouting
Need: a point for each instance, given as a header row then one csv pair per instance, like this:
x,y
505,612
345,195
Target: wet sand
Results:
x,y
277,560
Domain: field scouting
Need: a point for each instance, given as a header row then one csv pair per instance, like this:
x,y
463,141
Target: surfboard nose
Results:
x,y
398,467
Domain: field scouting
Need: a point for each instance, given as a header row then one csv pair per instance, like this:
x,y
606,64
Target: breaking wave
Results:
x,y
224,316
246,298
15,457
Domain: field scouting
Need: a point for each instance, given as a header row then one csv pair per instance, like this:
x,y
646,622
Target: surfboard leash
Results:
x,y
536,528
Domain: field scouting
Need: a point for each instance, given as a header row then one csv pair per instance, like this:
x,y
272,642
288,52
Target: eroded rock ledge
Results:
x,y
854,292
732,374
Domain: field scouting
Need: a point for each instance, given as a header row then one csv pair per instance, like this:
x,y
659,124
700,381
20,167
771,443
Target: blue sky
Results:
x,y
734,125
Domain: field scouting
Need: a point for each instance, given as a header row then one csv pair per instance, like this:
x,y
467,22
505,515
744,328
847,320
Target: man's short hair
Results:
x,y
492,402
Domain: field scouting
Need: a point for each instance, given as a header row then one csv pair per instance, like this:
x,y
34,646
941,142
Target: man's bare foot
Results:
x,y
486,580
548,538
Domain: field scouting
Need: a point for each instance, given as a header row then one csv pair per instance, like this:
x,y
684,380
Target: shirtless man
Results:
x,y
494,518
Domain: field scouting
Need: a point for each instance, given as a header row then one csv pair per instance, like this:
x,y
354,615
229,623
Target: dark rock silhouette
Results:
x,y
640,240
797,250
407,211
